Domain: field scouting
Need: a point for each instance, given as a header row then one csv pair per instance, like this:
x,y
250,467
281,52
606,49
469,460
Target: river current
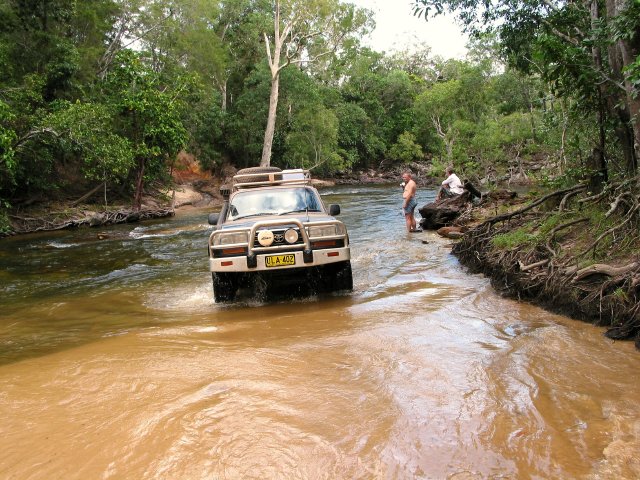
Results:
x,y
115,363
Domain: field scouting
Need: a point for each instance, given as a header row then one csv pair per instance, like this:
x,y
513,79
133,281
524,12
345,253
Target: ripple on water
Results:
x,y
63,245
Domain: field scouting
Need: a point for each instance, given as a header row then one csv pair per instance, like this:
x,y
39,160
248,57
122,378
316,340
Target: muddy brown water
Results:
x,y
116,363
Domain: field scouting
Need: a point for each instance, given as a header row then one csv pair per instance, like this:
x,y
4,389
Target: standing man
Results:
x,y
451,187
409,202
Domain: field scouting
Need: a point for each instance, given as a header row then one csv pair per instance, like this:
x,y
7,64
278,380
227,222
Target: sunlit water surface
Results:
x,y
116,363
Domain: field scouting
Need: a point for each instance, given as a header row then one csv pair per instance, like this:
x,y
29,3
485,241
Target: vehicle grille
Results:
x,y
278,238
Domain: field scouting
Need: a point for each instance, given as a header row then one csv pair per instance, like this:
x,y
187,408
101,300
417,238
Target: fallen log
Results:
x,y
61,221
442,213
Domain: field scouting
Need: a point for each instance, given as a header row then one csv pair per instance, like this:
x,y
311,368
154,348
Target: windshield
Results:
x,y
277,201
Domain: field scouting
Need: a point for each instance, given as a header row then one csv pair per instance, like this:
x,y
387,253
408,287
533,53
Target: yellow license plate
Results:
x,y
280,260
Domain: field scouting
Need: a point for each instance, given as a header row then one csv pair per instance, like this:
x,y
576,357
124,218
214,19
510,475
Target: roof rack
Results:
x,y
296,176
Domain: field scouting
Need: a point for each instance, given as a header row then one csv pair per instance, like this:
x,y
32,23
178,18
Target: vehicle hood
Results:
x,y
304,218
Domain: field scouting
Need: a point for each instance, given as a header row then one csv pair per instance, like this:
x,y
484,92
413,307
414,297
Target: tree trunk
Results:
x,y
274,66
629,54
271,121
137,198
222,87
598,158
623,105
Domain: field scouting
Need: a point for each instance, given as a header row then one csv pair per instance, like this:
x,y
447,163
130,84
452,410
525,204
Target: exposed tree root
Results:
x,y
548,271
603,269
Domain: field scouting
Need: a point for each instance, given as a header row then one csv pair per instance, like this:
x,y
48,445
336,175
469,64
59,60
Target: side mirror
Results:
x,y
213,218
334,210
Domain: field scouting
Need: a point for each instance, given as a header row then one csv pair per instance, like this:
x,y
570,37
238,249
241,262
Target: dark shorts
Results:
x,y
447,193
411,206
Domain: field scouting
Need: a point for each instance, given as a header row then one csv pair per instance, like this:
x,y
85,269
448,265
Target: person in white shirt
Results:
x,y
451,187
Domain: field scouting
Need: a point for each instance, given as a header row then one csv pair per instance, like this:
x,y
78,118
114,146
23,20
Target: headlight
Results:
x,y
291,236
326,230
230,238
265,238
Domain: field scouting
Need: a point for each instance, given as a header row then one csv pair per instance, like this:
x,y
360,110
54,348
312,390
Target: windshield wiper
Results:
x,y
298,211
252,215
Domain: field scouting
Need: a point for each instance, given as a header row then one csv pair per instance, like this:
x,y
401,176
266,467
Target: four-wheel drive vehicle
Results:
x,y
273,225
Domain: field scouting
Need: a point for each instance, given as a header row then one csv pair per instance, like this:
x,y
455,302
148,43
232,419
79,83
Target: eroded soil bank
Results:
x,y
565,252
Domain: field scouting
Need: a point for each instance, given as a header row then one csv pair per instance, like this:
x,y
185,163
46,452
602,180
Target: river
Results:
x,y
115,363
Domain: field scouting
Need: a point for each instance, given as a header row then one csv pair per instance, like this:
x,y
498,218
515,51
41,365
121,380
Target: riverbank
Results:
x,y
62,215
570,251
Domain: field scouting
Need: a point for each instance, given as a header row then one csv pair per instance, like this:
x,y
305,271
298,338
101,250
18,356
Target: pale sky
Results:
x,y
398,29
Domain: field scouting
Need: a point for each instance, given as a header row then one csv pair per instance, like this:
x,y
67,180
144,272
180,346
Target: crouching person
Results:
x,y
451,187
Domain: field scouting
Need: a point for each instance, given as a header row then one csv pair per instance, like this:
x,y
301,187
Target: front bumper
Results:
x,y
240,263
254,257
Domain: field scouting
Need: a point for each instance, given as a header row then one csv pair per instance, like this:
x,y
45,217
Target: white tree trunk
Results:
x,y
271,121
274,66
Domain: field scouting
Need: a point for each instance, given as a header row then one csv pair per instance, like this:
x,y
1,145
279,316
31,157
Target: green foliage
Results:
x,y
205,123
406,150
514,239
528,235
580,53
511,92
356,135
73,98
247,119
570,177
86,131
147,113
5,224
493,142
621,294
8,138
313,142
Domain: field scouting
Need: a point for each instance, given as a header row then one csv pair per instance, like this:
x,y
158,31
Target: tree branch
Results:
x,y
35,133
507,216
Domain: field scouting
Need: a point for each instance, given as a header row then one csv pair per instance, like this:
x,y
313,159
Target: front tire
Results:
x,y
335,277
225,286
344,277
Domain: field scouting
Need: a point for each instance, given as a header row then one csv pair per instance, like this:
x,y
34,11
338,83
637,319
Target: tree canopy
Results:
x,y
108,92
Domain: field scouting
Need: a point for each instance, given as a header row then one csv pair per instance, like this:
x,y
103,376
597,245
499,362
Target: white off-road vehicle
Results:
x,y
274,227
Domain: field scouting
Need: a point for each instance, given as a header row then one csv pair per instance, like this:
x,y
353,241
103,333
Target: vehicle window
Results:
x,y
273,202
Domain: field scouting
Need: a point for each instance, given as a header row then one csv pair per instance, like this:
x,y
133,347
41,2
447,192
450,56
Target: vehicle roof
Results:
x,y
272,179
275,187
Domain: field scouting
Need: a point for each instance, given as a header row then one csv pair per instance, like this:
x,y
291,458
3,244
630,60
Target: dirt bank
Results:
x,y
570,251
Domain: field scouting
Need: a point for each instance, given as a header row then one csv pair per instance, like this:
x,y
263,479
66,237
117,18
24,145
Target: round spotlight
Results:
x,y
291,236
265,237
